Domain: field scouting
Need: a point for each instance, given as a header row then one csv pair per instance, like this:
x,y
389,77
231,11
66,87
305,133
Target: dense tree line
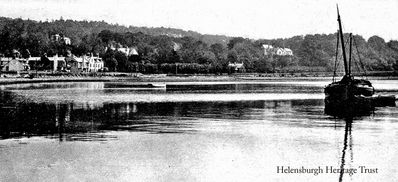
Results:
x,y
167,50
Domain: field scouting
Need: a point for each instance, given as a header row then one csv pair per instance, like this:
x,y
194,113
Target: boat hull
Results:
x,y
349,98
353,99
356,106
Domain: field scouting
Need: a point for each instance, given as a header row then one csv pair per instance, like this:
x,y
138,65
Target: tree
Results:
x,y
247,53
162,49
110,60
376,43
393,44
122,63
234,41
106,36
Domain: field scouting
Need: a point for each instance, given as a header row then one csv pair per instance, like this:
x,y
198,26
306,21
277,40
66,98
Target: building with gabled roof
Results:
x,y
61,38
14,65
236,67
270,50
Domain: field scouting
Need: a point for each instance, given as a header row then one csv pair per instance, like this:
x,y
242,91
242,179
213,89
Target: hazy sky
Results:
x,y
247,18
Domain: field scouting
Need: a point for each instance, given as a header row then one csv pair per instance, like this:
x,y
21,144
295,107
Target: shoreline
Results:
x,y
151,78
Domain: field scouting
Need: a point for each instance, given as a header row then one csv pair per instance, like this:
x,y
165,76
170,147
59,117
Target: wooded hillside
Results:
x,y
164,47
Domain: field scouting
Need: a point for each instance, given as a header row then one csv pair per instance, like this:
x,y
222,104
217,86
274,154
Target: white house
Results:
x,y
236,67
288,52
61,38
90,63
15,65
284,52
129,51
270,50
280,51
93,63
85,63
133,51
176,46
67,40
58,62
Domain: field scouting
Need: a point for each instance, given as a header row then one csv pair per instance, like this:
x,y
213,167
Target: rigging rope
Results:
x,y
356,64
337,53
359,58
337,64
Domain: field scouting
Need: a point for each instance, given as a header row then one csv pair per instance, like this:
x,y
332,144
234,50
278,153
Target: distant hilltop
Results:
x,y
72,26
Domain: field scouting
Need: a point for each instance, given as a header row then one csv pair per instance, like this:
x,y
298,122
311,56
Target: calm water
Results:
x,y
224,131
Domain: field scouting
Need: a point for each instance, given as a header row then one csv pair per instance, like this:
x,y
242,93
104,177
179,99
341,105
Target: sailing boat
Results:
x,y
351,96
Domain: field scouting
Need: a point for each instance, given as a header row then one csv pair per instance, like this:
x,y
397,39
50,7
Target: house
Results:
x,y
172,35
87,63
92,63
4,61
133,52
284,52
56,37
61,38
14,65
280,51
176,46
58,63
97,64
67,40
77,64
236,67
288,52
270,50
128,51
42,63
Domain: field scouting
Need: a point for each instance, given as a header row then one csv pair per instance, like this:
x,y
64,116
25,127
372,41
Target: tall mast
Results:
x,y
342,42
337,54
350,55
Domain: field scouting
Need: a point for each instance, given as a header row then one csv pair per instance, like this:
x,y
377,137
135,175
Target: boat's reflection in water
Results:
x,y
348,119
347,145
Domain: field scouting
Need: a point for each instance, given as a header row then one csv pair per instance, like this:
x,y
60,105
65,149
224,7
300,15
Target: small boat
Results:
x,y
350,96
157,85
148,86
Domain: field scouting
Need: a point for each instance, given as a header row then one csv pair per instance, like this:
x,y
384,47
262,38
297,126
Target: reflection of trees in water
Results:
x,y
55,86
245,88
61,119
20,119
41,119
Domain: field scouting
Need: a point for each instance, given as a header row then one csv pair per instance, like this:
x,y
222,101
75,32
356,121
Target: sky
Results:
x,y
247,18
